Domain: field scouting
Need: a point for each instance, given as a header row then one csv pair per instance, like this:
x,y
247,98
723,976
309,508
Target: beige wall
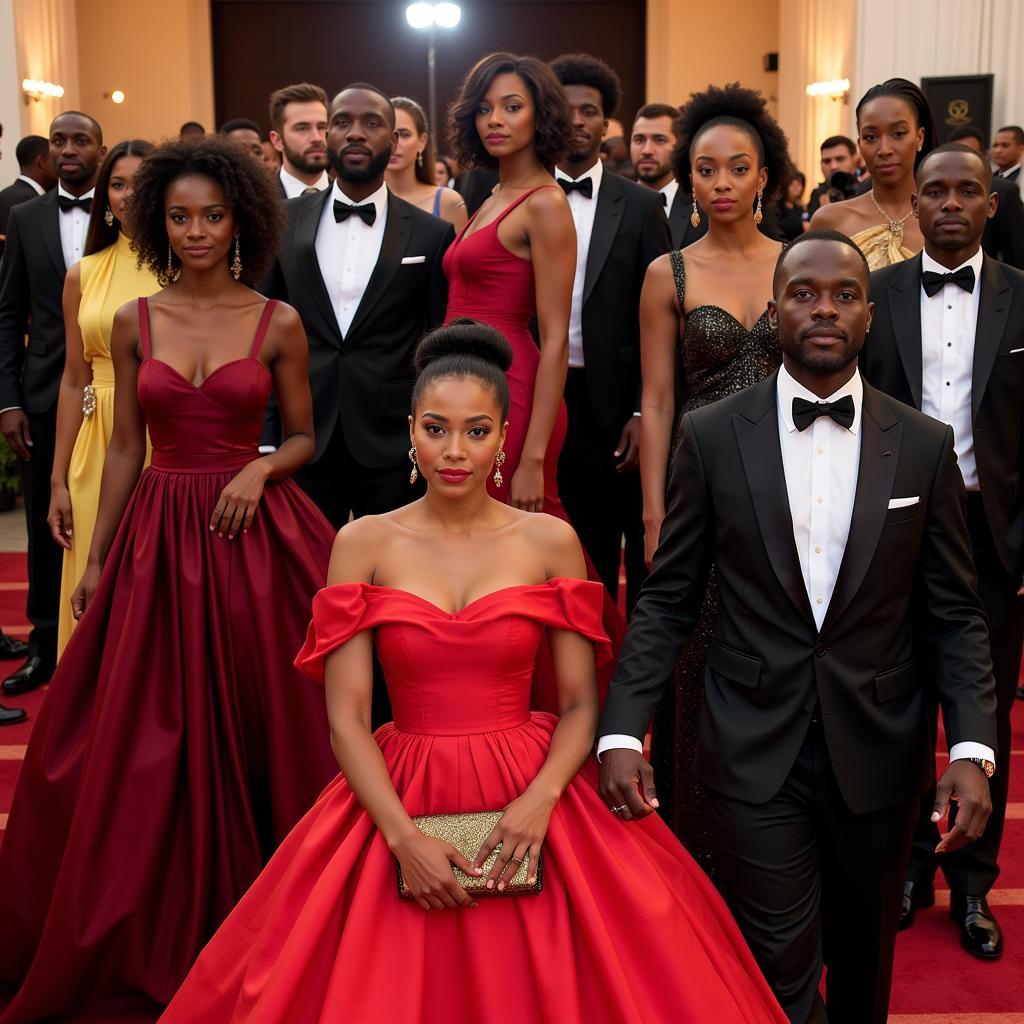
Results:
x,y
162,56
691,45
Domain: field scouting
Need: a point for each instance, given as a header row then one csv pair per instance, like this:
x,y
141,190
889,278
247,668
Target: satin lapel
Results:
x,y
881,434
392,249
606,223
306,224
993,310
757,435
905,310
49,216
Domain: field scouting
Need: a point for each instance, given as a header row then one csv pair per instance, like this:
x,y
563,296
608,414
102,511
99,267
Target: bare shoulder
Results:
x,y
546,202
849,216
357,549
451,200
127,316
557,544
285,318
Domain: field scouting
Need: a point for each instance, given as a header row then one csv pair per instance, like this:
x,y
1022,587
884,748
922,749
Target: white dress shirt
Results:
x,y
294,187
583,210
821,465
348,251
949,320
1020,176
73,226
669,192
31,181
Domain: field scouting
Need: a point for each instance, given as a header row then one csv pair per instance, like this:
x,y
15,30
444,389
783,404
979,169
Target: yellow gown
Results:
x,y
110,278
881,247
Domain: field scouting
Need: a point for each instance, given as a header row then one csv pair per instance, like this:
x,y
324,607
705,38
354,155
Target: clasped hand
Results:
x,y
237,503
627,783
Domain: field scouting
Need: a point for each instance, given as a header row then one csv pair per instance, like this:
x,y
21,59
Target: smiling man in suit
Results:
x,y
948,339
363,269
620,228
834,516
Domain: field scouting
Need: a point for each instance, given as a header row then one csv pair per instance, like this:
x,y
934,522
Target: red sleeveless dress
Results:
x,y
177,744
627,929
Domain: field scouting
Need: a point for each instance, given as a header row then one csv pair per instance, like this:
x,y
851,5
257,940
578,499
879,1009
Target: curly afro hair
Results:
x,y
583,69
250,192
744,109
551,110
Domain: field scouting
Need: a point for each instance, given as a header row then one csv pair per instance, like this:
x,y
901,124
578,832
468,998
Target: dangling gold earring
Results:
x,y
108,218
695,215
419,158
758,216
499,461
172,271
236,263
415,474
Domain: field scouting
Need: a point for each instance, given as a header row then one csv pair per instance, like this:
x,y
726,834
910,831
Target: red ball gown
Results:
x,y
177,744
627,930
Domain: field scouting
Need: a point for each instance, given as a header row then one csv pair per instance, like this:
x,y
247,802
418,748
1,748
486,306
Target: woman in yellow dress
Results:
x,y
895,130
95,288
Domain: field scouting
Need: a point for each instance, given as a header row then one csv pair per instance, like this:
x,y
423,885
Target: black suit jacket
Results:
x,y
630,230
366,377
15,193
905,586
891,360
683,232
475,185
1004,233
31,290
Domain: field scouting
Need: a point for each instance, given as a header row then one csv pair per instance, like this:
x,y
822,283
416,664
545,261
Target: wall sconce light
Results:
x,y
36,90
117,96
836,89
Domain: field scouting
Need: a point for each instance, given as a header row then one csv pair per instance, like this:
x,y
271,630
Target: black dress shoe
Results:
x,y
11,716
11,648
915,895
980,933
32,674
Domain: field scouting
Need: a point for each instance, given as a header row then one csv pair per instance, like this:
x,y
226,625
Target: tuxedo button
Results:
x,y
820,650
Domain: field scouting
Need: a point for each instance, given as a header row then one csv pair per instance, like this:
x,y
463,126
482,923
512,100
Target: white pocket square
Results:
x,y
904,502
1014,351
413,259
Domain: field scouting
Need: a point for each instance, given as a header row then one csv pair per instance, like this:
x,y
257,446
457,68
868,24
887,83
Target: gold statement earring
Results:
x,y
758,216
499,461
236,263
108,218
415,474
695,215
172,272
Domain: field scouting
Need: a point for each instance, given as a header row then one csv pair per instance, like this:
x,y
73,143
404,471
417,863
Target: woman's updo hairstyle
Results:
x,y
903,89
464,348
741,108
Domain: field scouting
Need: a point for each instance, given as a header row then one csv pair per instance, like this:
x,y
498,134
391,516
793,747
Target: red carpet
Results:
x,y
935,981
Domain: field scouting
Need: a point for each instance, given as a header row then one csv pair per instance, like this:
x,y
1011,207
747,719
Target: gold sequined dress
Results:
x,y
882,247
718,357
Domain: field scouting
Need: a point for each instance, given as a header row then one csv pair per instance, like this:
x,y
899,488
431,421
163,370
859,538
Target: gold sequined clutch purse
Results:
x,y
467,832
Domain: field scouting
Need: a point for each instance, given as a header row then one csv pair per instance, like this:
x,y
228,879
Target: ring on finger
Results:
x,y
619,809
515,860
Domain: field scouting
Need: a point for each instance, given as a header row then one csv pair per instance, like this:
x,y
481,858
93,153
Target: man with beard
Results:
x,y
363,269
650,149
834,517
45,238
620,228
298,118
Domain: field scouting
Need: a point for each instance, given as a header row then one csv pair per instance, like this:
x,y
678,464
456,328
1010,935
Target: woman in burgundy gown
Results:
x,y
456,591
177,744
516,258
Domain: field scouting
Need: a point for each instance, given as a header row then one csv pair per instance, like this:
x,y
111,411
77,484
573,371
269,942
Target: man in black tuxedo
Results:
x,y
45,237
1008,153
298,119
650,147
35,176
363,269
1004,230
475,185
948,338
834,516
620,228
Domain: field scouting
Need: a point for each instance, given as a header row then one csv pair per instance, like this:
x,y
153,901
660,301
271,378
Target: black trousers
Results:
x,y
45,556
603,504
973,870
811,883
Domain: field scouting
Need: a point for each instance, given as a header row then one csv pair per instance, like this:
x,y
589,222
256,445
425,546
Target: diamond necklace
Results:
x,y
895,226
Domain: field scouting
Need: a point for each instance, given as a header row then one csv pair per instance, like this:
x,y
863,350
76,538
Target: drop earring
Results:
x,y
172,271
419,158
236,263
695,214
415,474
499,461
758,215
108,218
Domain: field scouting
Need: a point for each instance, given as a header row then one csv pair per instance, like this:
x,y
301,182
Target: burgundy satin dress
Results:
x,y
177,744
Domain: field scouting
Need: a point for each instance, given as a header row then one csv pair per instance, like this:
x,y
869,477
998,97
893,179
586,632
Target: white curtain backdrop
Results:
x,y
47,43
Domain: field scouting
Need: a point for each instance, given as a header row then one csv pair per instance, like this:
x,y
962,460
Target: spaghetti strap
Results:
x,y
147,349
679,275
511,206
261,329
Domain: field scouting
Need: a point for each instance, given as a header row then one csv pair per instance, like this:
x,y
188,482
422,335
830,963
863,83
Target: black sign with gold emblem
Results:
x,y
959,100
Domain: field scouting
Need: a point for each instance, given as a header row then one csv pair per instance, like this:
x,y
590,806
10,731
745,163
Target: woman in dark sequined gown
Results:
x,y
704,326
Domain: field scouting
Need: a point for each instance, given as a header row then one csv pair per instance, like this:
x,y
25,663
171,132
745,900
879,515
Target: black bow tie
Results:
x,y
933,282
342,212
664,200
66,203
805,413
585,186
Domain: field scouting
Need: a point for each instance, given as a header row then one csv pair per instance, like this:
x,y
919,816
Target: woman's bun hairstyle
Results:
x,y
464,348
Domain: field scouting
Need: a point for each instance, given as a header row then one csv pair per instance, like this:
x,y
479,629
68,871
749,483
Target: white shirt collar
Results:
x,y
62,191
295,186
670,190
927,263
788,389
595,174
32,181
379,199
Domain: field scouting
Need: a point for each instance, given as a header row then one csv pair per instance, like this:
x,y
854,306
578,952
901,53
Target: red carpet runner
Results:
x,y
935,981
